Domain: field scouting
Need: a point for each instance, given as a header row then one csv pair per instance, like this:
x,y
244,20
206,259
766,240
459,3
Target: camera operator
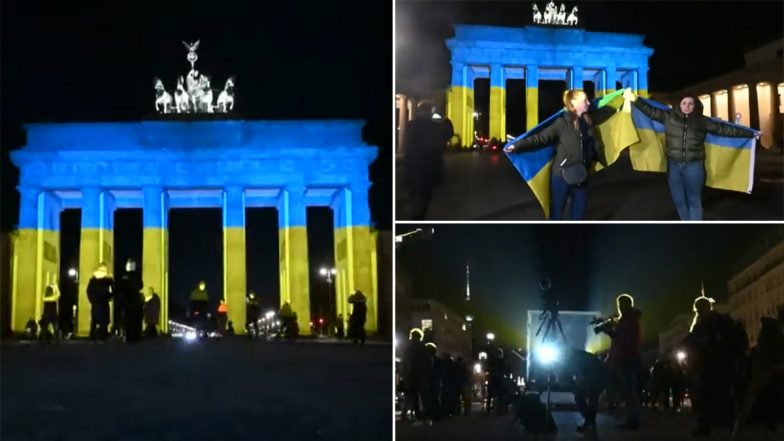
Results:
x,y
624,359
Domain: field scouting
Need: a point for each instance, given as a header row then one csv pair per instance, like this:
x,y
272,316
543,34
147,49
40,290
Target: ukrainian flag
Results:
x,y
729,162
535,166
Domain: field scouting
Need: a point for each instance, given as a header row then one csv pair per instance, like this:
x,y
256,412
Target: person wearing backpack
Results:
x,y
716,350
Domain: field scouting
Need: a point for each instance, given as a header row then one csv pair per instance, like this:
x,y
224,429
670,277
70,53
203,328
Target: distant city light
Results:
x,y
490,336
681,355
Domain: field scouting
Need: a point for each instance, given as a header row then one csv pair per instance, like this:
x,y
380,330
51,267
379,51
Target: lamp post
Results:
x,y
72,301
329,274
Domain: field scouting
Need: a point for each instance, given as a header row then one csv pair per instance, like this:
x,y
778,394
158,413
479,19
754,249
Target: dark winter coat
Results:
x,y
417,363
685,134
626,340
100,290
423,162
152,310
130,286
570,144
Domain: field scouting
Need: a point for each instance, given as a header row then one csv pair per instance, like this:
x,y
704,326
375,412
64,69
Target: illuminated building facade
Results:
x,y
165,165
450,330
757,290
536,53
754,93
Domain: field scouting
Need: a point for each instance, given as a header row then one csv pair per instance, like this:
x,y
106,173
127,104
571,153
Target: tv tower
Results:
x,y
468,283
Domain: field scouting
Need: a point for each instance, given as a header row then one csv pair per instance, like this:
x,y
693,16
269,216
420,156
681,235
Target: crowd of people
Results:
x,y
119,308
437,386
713,371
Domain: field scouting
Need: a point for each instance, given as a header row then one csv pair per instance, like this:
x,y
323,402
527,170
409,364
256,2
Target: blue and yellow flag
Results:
x,y
535,166
729,162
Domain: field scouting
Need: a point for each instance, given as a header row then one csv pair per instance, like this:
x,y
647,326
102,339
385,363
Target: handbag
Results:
x,y
577,173
574,174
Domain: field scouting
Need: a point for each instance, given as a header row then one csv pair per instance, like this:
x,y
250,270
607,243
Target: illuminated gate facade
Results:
x,y
536,53
161,165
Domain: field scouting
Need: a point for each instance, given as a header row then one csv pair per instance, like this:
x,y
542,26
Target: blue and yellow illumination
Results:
x,y
164,165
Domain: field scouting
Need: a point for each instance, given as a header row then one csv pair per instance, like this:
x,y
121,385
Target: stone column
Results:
x,y
36,255
460,103
155,249
610,79
531,96
497,102
642,82
234,268
95,246
402,123
355,253
293,254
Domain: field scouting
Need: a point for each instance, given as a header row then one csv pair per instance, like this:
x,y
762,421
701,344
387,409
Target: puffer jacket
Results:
x,y
569,144
685,134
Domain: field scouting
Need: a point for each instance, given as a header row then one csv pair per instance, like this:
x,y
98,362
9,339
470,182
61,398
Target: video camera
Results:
x,y
604,324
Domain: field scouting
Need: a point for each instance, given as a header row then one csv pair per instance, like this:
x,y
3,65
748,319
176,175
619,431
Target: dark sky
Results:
x,y
661,265
692,41
95,61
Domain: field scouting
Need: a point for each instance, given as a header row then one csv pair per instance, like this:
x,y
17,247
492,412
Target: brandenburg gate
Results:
x,y
535,53
194,162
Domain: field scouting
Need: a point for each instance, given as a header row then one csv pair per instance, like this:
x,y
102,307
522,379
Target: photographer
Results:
x,y
624,359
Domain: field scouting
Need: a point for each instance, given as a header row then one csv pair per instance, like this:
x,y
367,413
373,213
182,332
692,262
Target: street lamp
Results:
x,y
329,274
490,336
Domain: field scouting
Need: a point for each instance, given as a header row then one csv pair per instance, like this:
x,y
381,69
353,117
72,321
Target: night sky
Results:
x,y
660,265
95,61
692,41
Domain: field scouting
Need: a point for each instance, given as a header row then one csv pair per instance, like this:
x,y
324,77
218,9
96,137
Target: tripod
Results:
x,y
549,322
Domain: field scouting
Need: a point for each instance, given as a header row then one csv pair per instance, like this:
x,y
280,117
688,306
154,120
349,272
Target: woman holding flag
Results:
x,y
685,129
577,148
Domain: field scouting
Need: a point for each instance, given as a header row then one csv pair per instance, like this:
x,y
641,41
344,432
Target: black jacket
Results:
x,y
685,134
568,141
423,162
100,290
152,310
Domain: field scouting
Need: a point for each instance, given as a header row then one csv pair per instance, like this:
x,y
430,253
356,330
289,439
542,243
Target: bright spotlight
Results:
x,y
490,336
681,355
547,354
478,368
269,314
72,272
190,335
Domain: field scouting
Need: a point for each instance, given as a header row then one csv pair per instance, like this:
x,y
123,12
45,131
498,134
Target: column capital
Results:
x,y
152,190
91,191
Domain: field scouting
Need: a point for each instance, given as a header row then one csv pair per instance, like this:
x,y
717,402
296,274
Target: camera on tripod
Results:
x,y
549,301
